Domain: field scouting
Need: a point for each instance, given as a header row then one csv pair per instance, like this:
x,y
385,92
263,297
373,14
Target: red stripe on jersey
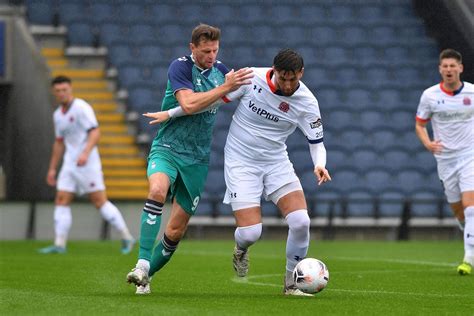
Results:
x,y
441,86
269,81
419,119
225,99
59,139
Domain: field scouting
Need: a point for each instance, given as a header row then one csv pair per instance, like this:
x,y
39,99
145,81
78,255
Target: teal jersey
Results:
x,y
190,136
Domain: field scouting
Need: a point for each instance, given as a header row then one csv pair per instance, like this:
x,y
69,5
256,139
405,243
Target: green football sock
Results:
x,y
162,254
149,228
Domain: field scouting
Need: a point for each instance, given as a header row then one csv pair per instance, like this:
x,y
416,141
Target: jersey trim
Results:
x,y
419,119
225,99
269,81
451,93
315,141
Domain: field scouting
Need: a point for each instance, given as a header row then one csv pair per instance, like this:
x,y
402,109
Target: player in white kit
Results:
x,y
256,160
77,134
449,106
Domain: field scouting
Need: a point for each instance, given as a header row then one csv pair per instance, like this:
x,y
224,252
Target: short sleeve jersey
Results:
x,y
265,118
72,126
190,136
452,118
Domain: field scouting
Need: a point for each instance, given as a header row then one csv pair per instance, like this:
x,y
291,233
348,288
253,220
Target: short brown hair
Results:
x,y
288,60
450,53
60,79
204,32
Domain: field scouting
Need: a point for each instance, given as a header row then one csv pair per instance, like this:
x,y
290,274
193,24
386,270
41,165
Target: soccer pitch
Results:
x,y
366,278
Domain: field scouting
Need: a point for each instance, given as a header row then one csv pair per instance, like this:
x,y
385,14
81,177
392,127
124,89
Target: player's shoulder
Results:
x,y
434,89
81,103
468,86
219,65
183,62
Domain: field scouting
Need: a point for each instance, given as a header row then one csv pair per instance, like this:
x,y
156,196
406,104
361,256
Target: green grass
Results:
x,y
366,278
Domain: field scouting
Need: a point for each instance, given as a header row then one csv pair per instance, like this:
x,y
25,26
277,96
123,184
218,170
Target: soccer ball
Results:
x,y
311,275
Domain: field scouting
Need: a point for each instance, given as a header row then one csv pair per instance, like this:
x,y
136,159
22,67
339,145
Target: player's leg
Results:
x,y
468,260
62,222
292,204
458,212
186,192
150,226
244,184
114,217
248,219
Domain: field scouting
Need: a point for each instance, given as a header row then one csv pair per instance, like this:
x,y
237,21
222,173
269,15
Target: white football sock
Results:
x,y
298,238
112,215
62,224
247,235
469,235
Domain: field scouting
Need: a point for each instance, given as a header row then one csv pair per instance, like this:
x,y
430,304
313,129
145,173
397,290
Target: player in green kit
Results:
x,y
179,156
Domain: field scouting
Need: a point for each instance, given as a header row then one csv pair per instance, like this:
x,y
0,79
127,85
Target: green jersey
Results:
x,y
189,136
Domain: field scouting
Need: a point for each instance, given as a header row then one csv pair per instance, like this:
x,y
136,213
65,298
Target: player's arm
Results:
x,y
433,146
318,155
57,153
93,136
193,102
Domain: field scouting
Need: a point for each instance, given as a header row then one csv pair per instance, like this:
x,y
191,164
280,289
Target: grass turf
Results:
x,y
366,278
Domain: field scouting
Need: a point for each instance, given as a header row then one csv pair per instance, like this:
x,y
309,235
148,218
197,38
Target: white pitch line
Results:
x,y
248,280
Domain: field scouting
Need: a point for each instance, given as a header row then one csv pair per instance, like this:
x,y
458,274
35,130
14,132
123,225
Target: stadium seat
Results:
x,y
336,55
103,12
397,54
366,55
340,119
149,54
269,209
391,203
215,185
122,54
81,34
112,32
340,13
389,99
222,14
327,98
380,77
425,204
40,12
384,138
131,13
353,138
337,157
410,141
410,180
142,33
359,98
324,199
72,11
353,35
345,180
163,13
129,75
370,14
376,179
140,97
323,35
360,202
371,120
365,158
254,12
397,158
385,35
301,160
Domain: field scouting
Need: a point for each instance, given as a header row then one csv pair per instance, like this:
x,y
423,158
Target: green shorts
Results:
x,y
187,180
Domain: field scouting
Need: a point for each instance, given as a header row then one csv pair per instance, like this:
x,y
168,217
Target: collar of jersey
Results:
x,y
451,93
200,69
64,109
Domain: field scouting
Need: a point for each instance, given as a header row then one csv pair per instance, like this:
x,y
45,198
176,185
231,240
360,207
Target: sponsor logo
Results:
x,y
284,107
316,124
198,82
165,253
71,119
263,113
153,165
92,184
455,115
466,101
255,88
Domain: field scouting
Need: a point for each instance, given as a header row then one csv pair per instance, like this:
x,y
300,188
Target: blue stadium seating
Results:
x,y
373,120
396,158
40,12
377,179
365,158
80,34
425,204
72,11
360,203
391,203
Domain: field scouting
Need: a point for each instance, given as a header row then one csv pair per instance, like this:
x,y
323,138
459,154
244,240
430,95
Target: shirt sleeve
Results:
x,y
423,113
237,94
88,119
180,74
57,131
310,123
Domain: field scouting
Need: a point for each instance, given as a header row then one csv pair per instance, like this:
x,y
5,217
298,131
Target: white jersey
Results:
x,y
264,119
452,118
72,127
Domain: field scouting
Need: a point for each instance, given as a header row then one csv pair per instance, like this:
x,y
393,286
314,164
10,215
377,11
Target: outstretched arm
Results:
x,y
58,151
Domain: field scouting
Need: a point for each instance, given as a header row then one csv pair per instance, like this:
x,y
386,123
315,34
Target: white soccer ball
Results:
x,y
311,275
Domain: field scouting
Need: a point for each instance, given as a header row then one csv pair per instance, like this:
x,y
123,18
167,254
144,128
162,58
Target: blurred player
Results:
x,y
449,106
179,156
256,160
77,134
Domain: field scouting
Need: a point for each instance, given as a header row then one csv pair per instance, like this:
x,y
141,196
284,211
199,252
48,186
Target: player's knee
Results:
x,y
248,235
157,192
61,200
298,220
175,233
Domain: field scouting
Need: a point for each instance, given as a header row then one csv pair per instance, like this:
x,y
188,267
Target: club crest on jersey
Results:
x,y
71,119
466,101
284,107
316,124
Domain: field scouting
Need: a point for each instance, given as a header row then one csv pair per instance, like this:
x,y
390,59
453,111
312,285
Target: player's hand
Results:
x,y
322,174
158,117
51,177
435,147
82,160
235,79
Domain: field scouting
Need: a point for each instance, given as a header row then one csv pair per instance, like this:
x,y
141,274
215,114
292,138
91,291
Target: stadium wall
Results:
x,y
26,116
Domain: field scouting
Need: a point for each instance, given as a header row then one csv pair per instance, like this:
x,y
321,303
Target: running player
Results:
x,y
77,134
449,106
179,156
256,160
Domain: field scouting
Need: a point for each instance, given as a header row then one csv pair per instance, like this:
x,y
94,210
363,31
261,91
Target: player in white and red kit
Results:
x,y
256,160
449,106
77,134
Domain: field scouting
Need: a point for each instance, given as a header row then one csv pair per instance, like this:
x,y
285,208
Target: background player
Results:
x,y
256,160
77,134
449,106
179,155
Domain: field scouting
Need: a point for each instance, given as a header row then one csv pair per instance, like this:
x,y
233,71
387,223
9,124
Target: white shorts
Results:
x,y
80,180
457,176
247,182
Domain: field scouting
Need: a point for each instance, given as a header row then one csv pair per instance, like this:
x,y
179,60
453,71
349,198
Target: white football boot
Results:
x,y
143,289
240,260
138,276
